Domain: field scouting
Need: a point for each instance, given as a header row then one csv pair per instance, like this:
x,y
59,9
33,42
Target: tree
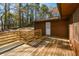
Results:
x,y
1,13
49,14
5,22
36,10
2,25
8,20
44,11
23,12
20,15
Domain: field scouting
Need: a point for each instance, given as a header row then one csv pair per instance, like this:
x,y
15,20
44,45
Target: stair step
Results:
x,y
9,38
9,46
34,43
5,33
8,41
6,36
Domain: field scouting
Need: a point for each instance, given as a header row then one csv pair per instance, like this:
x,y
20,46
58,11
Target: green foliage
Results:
x,y
36,7
8,15
44,11
44,8
49,14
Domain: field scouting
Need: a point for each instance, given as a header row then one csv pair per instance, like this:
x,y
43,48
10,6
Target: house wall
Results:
x,y
58,28
40,25
73,35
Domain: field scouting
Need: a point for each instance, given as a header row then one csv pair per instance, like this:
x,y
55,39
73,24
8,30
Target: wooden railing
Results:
x,y
31,36
11,39
23,36
8,37
8,40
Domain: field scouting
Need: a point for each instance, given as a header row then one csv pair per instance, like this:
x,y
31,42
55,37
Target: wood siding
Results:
x,y
58,28
40,25
74,31
67,9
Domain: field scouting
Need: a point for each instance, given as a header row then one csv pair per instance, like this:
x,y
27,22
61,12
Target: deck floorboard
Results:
x,y
48,47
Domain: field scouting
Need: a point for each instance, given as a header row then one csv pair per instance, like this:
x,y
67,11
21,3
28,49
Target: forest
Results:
x,y
18,15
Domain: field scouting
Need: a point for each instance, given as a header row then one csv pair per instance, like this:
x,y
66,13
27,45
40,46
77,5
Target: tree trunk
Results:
x,y
8,25
20,15
22,20
5,25
2,25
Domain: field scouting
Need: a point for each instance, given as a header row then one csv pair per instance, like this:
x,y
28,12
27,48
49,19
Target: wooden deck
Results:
x,y
48,47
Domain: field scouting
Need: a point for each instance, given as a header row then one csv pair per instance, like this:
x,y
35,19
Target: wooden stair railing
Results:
x,y
29,37
8,40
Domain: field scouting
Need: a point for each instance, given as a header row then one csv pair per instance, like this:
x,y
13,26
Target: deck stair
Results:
x,y
8,40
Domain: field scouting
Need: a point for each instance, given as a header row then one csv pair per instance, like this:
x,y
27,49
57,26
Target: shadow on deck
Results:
x,y
48,47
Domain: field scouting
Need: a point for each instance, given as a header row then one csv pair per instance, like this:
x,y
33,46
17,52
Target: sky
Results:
x,y
51,4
